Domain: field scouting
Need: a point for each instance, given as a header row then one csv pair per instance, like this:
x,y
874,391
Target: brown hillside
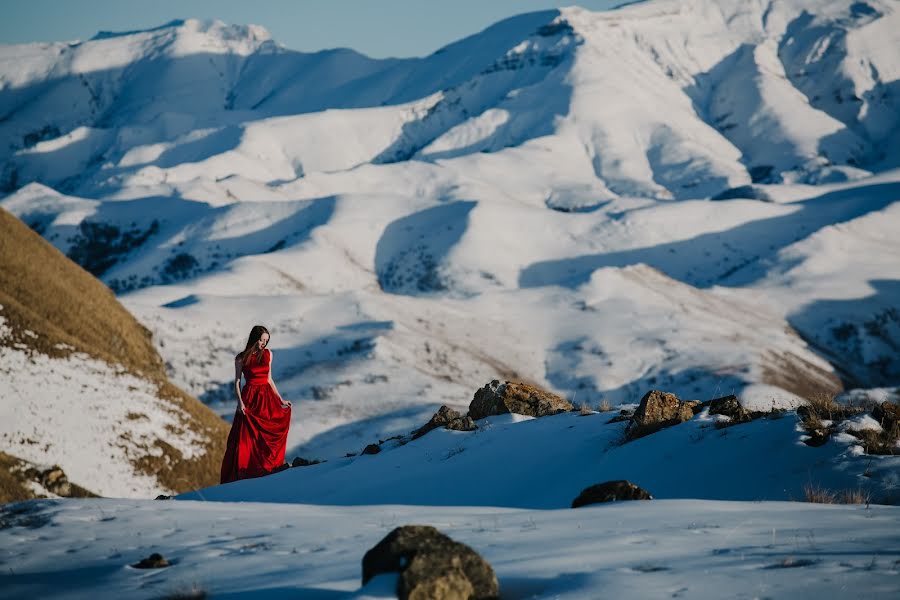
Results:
x,y
44,292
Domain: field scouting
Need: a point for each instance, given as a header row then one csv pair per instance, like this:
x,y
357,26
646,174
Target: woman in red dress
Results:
x,y
258,436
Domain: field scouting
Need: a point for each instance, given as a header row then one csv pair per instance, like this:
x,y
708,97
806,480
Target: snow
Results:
x,y
532,203
544,464
113,419
691,548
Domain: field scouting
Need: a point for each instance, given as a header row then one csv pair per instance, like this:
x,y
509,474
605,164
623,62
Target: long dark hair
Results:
x,y
255,334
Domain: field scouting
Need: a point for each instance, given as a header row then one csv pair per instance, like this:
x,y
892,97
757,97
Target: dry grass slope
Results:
x,y
42,291
12,488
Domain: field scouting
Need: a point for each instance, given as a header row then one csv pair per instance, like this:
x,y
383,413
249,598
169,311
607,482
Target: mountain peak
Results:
x,y
236,38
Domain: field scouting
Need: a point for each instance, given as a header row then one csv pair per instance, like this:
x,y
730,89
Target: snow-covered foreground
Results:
x,y
642,549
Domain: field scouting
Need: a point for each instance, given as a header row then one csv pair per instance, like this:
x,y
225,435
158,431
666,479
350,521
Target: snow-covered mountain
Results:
x,y
696,196
692,195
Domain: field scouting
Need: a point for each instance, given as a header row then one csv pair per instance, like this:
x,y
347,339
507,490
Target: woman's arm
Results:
x,y
284,403
237,384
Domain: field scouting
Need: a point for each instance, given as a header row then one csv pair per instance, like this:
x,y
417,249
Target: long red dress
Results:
x,y
257,440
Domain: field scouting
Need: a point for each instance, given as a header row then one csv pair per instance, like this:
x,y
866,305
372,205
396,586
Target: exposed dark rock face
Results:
x,y
372,449
521,398
611,491
656,411
299,461
446,417
431,566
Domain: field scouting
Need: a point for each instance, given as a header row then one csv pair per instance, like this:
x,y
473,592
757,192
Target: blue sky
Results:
x,y
378,28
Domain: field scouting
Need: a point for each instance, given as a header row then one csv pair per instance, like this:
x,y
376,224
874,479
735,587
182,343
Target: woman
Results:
x,y
259,431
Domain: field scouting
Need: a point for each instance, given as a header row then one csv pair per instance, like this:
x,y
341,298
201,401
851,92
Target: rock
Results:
x,y
163,497
451,585
695,405
817,437
656,411
611,491
431,565
619,419
302,462
750,192
730,407
154,561
441,418
465,423
372,449
521,398
54,480
887,414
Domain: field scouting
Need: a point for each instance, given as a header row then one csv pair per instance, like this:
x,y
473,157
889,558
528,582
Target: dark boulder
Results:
x,y
611,491
521,398
299,461
431,566
372,449
154,561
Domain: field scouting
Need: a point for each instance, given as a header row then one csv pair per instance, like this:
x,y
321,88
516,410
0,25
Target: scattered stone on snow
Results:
x,y
431,565
372,449
154,561
611,491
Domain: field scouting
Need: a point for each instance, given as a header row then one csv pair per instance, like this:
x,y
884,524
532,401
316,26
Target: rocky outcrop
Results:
x,y
431,566
448,418
656,411
611,491
521,398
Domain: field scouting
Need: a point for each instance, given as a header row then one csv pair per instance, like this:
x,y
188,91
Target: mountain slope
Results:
x,y
84,387
594,202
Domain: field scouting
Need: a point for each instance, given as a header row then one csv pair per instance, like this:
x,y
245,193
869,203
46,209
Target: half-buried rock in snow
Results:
x,y
521,398
431,566
611,491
